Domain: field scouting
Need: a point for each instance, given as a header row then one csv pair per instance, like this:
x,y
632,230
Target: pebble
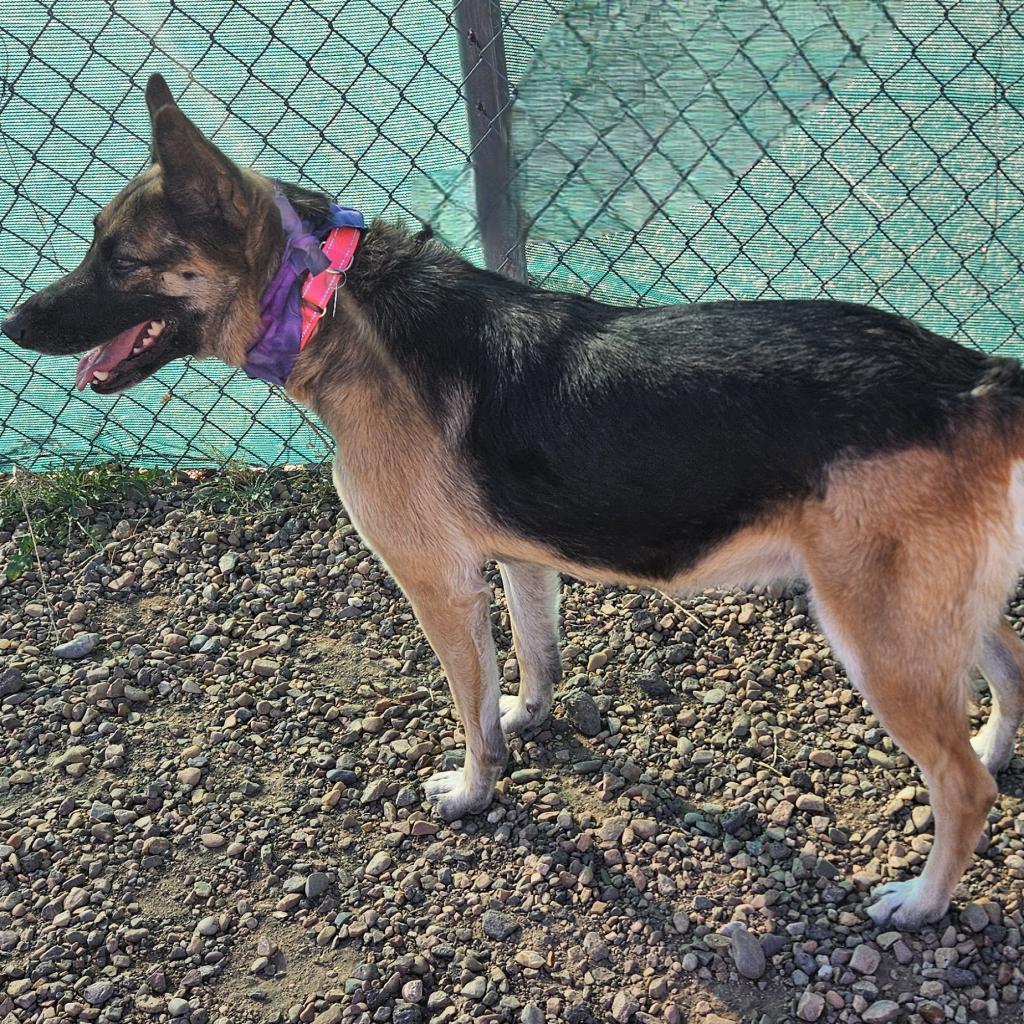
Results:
x,y
11,681
747,954
974,917
624,1008
499,926
316,884
98,993
77,647
530,958
475,988
865,959
379,864
881,1012
583,713
810,1006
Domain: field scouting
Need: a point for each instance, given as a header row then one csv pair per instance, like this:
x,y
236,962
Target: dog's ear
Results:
x,y
158,95
199,179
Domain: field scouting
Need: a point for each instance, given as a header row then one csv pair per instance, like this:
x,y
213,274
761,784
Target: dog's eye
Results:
x,y
124,264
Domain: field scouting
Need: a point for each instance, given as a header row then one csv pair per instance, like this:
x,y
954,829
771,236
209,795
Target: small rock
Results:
x,y
497,925
811,1006
77,647
532,1014
881,1012
316,885
747,954
406,1013
865,959
475,988
530,958
11,681
379,863
974,917
101,811
595,947
811,803
623,1008
412,991
583,714
98,993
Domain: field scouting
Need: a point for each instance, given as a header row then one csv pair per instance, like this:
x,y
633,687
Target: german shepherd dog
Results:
x,y
683,447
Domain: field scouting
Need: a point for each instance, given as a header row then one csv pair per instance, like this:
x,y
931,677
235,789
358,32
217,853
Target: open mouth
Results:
x,y
124,359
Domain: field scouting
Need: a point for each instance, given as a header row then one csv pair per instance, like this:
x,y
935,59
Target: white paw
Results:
x,y
994,755
452,797
516,717
906,905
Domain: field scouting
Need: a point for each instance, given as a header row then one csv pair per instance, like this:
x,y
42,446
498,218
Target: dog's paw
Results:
x,y
994,755
452,797
906,905
517,717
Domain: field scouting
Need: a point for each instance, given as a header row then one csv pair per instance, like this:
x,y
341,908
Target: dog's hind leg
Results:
x,y
931,727
908,563
916,685
1002,664
532,593
452,605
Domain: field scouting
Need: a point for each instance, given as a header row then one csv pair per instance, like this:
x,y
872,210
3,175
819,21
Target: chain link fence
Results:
x,y
645,151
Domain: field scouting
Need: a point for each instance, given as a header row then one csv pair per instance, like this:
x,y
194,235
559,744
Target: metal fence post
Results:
x,y
485,85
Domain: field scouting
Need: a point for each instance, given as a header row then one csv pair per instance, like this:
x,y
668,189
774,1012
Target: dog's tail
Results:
x,y
1001,375
999,396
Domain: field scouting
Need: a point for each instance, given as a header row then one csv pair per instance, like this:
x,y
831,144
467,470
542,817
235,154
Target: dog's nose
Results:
x,y
14,325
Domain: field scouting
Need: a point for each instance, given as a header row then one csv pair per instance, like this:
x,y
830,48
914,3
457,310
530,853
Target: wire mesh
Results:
x,y
663,151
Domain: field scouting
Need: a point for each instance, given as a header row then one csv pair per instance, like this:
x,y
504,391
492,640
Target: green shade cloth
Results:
x,y
665,152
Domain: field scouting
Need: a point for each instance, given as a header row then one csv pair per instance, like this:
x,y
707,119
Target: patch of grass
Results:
x,y
55,509
52,509
236,489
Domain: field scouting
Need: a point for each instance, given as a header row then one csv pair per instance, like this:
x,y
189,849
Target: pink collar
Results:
x,y
340,248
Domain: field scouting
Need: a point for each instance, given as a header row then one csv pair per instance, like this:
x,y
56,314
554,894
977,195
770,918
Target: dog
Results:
x,y
678,448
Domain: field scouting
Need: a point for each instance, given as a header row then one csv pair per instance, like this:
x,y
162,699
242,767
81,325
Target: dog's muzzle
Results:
x,y
14,325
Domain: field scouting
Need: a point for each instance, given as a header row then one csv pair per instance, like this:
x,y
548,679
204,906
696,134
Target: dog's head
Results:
x,y
176,265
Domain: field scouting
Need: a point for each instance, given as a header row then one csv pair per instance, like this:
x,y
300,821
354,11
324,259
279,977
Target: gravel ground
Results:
x,y
215,725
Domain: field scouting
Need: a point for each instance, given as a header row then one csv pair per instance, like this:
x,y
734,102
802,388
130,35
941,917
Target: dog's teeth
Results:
x,y
148,342
100,375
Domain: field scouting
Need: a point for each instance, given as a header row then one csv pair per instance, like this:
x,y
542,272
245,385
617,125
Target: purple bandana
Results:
x,y
276,346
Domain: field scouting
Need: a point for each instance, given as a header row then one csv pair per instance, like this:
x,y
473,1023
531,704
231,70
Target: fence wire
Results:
x,y
662,151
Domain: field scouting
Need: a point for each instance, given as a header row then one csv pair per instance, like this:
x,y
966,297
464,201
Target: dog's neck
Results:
x,y
409,319
309,205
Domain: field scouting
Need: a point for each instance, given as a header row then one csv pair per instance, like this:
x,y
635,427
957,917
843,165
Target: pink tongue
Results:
x,y
108,355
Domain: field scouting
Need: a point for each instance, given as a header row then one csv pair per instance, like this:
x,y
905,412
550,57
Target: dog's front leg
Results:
x,y
454,612
532,593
